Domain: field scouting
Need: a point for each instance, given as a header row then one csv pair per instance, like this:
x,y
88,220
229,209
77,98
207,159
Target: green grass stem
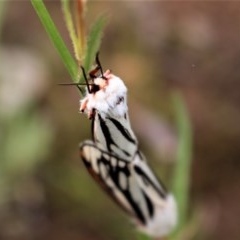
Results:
x,y
181,178
57,40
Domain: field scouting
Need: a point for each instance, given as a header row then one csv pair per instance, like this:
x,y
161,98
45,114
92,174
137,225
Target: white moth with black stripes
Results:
x,y
114,160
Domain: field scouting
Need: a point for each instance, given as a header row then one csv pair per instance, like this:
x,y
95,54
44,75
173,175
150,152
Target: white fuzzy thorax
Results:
x,y
109,100
164,220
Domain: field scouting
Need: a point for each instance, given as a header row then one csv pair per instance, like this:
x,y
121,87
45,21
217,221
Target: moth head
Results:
x,y
96,81
100,82
106,93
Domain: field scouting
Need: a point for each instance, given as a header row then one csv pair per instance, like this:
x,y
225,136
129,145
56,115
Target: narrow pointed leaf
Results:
x,y
57,40
71,28
94,42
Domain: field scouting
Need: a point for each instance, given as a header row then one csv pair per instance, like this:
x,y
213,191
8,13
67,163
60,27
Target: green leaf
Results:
x,y
71,28
58,42
142,236
181,178
94,42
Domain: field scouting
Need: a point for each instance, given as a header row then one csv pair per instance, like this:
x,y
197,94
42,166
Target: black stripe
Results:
x,y
149,205
146,179
135,206
107,136
113,173
123,130
87,163
106,133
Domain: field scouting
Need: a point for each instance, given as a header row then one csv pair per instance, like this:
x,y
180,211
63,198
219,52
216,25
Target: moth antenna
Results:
x,y
86,80
99,65
70,84
74,84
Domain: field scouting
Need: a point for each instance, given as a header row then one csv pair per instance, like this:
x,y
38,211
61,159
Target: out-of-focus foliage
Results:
x,y
25,139
156,47
181,176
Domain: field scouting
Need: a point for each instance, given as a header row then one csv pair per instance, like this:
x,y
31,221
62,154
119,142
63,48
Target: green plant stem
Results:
x,y
71,29
181,179
58,42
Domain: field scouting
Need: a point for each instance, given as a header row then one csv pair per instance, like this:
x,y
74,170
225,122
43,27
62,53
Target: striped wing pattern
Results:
x,y
115,135
128,183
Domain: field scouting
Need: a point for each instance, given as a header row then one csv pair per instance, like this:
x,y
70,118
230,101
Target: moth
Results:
x,y
114,160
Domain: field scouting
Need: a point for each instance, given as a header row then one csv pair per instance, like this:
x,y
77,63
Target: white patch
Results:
x,y
110,183
94,165
164,220
113,161
121,164
106,156
123,180
103,170
87,153
92,155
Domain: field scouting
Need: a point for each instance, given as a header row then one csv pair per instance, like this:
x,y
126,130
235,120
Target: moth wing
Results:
x,y
115,135
164,217
110,172
133,186
148,181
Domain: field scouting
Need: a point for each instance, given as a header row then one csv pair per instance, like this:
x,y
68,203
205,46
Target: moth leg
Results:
x,y
83,105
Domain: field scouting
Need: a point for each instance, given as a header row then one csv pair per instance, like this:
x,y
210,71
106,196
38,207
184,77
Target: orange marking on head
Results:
x,y
107,73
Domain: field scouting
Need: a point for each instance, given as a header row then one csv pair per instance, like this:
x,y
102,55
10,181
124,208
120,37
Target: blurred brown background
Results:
x,y
156,47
